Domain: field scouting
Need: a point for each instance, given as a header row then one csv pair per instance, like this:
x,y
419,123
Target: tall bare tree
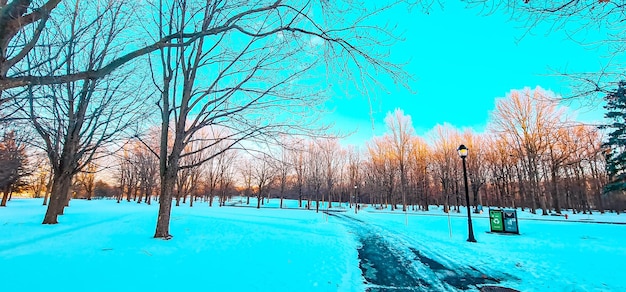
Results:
x,y
225,175
314,176
247,173
246,58
262,175
330,151
384,169
419,163
354,173
402,132
297,160
76,119
446,139
284,167
526,117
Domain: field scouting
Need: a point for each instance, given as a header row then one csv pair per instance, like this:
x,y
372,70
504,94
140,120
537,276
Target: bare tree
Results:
x,y
297,160
86,179
504,170
244,43
341,175
262,176
147,165
225,166
25,26
77,119
247,172
330,151
211,173
419,163
582,164
527,117
384,169
402,132
189,175
354,173
314,174
41,174
284,167
13,161
445,163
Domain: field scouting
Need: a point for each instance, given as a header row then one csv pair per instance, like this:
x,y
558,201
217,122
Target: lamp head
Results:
x,y
462,151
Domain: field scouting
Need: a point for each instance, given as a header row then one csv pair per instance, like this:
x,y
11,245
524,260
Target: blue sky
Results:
x,y
462,61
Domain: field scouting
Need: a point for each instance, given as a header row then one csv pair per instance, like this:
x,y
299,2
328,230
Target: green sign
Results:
x,y
495,220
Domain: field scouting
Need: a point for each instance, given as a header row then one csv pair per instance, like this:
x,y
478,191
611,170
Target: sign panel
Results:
x,y
495,220
510,221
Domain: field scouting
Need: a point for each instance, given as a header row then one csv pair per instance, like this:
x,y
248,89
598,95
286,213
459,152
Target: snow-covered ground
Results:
x,y
104,246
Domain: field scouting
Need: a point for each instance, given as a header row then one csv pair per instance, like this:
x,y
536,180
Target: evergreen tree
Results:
x,y
616,143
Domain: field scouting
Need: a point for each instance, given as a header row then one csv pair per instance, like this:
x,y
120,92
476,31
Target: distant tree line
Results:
x,y
532,156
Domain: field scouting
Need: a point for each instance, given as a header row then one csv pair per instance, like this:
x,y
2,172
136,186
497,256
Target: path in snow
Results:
x,y
390,263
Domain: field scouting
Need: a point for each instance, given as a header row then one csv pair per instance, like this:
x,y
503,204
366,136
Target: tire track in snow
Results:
x,y
390,263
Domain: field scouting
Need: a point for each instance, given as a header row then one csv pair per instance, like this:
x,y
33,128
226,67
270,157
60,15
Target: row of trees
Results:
x,y
531,156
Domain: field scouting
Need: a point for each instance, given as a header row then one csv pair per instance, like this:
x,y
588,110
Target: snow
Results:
x,y
556,255
104,246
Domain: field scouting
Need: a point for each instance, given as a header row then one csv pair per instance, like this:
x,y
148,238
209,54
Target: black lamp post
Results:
x,y
356,200
463,153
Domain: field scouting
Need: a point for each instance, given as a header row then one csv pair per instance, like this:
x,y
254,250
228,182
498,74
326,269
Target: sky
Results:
x,y
101,245
462,61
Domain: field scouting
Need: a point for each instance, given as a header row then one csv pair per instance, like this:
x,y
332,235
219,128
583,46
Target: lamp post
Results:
x,y
463,153
356,200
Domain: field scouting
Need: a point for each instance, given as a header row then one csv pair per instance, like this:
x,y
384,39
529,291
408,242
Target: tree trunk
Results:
x,y
555,191
538,194
139,197
475,191
299,198
48,190
58,197
5,196
165,204
403,185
